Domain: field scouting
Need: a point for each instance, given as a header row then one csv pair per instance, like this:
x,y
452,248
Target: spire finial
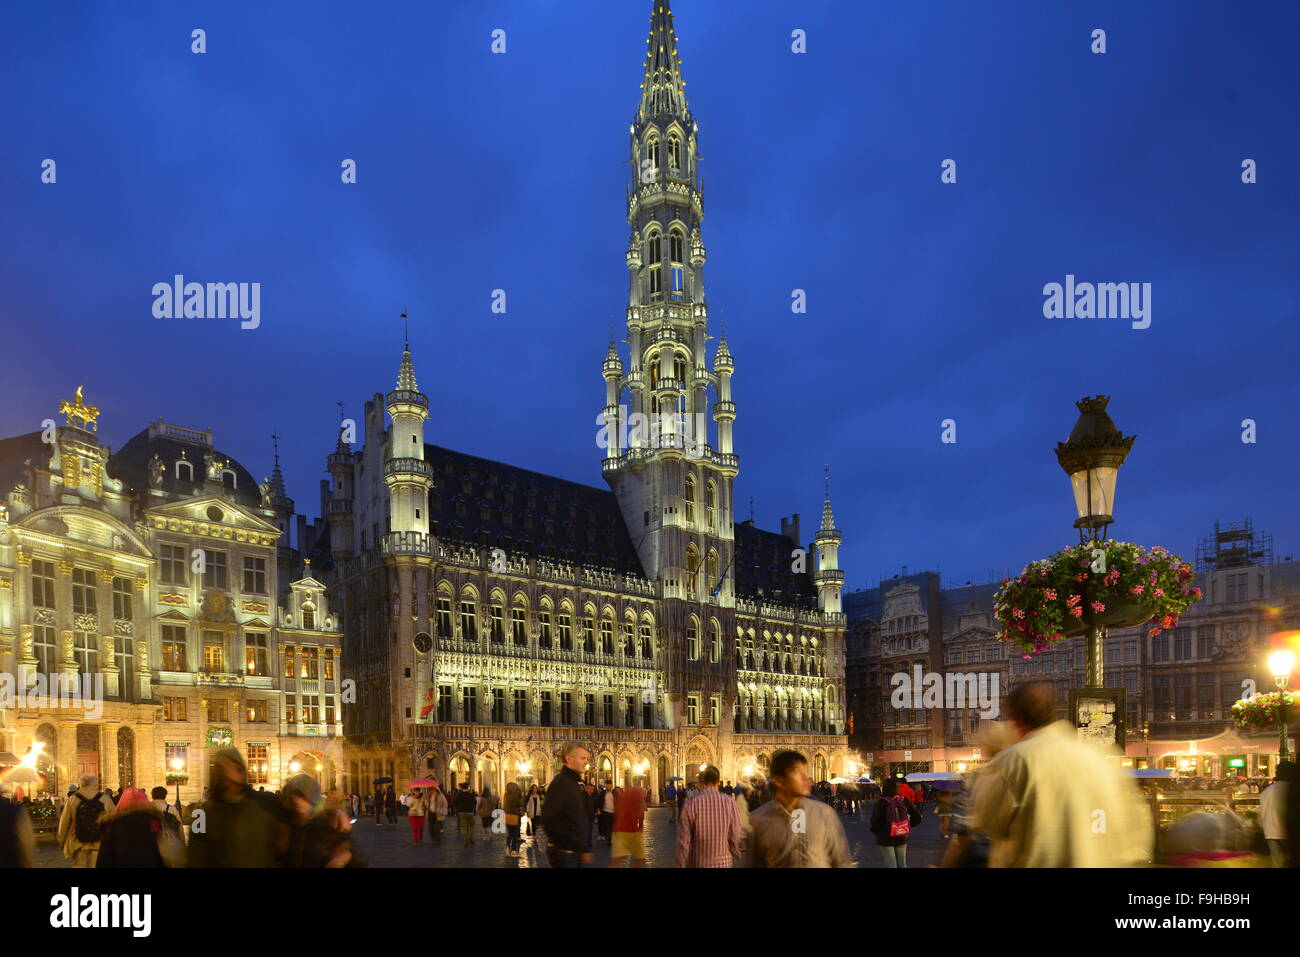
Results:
x,y
751,508
828,520
275,445
406,332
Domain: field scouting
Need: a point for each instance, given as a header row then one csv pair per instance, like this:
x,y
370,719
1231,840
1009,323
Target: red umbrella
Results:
x,y
423,783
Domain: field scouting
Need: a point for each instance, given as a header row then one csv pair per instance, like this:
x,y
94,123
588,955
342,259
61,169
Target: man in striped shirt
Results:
x,y
708,833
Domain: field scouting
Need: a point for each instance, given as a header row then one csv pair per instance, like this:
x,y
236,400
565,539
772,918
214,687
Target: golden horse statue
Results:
x,y
77,409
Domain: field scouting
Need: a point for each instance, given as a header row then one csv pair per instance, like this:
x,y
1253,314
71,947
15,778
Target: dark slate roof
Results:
x,y
14,452
965,599
586,523
762,568
130,463
870,602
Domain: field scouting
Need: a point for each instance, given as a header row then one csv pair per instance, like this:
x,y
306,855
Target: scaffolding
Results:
x,y
1234,545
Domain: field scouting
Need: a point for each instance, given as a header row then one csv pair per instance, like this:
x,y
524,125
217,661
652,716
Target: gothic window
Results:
x,y
468,624
518,627
675,152
712,570
680,369
646,650
715,643
607,636
652,151
693,640
710,505
690,499
677,246
692,566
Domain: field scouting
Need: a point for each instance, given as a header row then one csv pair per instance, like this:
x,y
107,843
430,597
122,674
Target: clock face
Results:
x,y
423,642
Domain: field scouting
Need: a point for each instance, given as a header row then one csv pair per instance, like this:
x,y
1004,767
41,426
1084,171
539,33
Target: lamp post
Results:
x,y
1281,663
1091,457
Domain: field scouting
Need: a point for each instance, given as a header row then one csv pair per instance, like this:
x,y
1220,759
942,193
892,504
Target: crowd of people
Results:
x,y
297,826
1044,799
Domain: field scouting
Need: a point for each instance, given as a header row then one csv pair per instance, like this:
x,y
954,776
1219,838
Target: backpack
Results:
x,y
86,819
171,841
897,817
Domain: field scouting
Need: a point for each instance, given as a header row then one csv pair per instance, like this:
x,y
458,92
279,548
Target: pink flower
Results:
x,y
1081,577
1049,594
1159,592
1076,611
1098,607
1137,589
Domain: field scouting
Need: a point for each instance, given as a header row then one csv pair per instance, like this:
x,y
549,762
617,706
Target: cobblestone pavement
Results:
x,y
390,846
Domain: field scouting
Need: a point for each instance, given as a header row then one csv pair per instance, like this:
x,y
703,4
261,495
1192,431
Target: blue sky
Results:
x,y
479,171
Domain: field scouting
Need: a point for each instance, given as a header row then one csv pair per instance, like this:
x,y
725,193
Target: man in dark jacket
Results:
x,y
240,826
566,815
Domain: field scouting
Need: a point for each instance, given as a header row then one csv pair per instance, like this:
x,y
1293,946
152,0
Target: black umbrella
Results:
x,y
383,780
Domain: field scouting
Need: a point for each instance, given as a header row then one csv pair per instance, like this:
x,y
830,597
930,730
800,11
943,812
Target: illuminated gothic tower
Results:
x,y
673,483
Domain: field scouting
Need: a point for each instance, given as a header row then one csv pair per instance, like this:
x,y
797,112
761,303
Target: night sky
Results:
x,y
822,172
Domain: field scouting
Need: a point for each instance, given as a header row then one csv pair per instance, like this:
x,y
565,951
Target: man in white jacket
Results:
x,y
1050,800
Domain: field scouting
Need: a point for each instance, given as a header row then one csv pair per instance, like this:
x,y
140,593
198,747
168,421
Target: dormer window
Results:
x,y
228,479
185,470
308,618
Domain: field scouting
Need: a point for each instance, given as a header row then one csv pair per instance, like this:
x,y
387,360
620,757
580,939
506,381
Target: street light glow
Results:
x,y
1280,664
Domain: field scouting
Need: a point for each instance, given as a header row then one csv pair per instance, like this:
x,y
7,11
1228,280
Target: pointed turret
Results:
x,y
829,578
407,475
663,91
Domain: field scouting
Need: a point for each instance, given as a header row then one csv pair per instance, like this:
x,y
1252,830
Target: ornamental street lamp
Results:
x,y
1280,664
1092,457
178,767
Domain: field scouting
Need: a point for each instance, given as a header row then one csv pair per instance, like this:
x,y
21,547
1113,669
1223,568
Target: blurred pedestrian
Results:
x,y
627,834
17,839
314,834
1272,813
1040,800
132,833
670,798
240,826
606,821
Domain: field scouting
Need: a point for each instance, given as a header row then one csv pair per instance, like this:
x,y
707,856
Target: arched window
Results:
x,y
308,617
681,371
185,470
710,505
652,151
677,256
692,640
693,567
674,151
647,650
711,567
715,643
690,499
654,264
228,479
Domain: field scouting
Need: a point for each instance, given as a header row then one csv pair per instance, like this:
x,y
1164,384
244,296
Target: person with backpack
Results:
x,y
79,825
892,820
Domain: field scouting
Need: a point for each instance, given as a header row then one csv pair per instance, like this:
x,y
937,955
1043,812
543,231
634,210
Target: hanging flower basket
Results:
x,y
1103,584
1261,712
